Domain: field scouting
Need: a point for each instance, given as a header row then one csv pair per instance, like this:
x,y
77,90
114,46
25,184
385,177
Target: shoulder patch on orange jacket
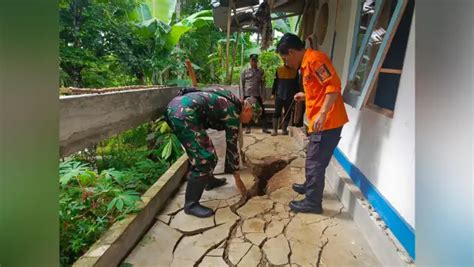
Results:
x,y
323,73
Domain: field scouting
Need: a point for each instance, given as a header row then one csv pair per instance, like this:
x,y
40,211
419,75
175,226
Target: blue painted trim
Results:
x,y
399,227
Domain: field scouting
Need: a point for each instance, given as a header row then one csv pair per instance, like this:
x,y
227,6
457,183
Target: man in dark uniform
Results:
x,y
252,84
285,86
189,115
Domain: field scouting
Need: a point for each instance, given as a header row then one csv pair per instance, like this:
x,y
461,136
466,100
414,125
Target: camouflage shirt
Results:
x,y
205,109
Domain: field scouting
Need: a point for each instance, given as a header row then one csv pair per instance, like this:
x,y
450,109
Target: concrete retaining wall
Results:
x,y
88,119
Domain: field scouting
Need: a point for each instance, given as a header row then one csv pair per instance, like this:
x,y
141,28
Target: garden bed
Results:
x,y
107,183
115,244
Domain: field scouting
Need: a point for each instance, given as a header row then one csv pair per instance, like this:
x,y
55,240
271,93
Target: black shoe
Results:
x,y
305,206
247,131
265,130
299,188
198,210
295,202
215,182
194,190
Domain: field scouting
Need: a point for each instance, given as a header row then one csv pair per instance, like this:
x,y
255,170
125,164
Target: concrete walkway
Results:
x,y
258,230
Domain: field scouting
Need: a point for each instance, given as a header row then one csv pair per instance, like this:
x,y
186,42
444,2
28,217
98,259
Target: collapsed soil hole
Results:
x,y
264,170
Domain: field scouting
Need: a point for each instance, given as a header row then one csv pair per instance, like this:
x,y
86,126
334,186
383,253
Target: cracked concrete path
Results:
x,y
258,230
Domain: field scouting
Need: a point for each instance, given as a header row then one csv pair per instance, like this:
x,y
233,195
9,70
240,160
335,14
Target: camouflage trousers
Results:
x,y
198,146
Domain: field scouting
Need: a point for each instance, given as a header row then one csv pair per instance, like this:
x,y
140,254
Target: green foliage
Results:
x,y
282,26
193,6
89,204
269,61
166,143
195,21
113,43
94,36
159,9
93,197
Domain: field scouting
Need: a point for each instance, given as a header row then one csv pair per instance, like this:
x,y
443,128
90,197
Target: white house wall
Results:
x,y
382,148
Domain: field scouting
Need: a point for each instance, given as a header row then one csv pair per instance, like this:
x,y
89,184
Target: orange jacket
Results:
x,y
320,78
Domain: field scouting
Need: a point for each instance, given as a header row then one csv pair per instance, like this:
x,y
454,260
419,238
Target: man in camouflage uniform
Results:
x,y
252,84
189,116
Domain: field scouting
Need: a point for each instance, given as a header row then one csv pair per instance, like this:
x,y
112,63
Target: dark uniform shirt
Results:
x,y
286,83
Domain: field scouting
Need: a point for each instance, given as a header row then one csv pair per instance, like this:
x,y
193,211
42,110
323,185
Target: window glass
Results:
x,y
377,21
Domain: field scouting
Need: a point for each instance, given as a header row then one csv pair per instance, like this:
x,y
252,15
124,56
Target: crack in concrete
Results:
x,y
266,172
199,231
330,217
167,223
176,246
172,214
326,228
286,225
245,254
320,254
287,240
196,264
177,243
231,236
263,243
326,242
263,259
291,251
263,169
246,148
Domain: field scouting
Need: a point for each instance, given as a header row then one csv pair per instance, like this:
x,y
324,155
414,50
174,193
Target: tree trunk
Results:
x,y
229,17
234,56
178,10
141,77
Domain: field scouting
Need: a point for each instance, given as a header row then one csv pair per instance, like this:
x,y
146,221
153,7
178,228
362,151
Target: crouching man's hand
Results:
x,y
239,184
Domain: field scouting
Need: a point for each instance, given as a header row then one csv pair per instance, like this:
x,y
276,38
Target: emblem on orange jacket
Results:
x,y
323,73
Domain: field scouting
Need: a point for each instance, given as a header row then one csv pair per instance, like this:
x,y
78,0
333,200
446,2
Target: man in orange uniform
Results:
x,y
326,115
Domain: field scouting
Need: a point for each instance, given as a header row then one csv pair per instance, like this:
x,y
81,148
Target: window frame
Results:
x,y
358,99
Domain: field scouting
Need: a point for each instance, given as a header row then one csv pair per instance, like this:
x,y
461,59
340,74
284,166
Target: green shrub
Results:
x,y
92,197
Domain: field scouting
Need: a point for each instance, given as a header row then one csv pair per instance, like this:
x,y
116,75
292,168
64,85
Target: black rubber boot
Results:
x,y
247,130
194,190
306,206
299,188
275,126
285,128
214,182
229,170
264,126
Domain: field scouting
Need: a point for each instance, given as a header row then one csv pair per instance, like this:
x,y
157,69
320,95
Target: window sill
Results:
x,y
383,111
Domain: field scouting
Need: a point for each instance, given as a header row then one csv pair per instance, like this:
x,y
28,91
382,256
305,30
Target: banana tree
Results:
x,y
153,19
